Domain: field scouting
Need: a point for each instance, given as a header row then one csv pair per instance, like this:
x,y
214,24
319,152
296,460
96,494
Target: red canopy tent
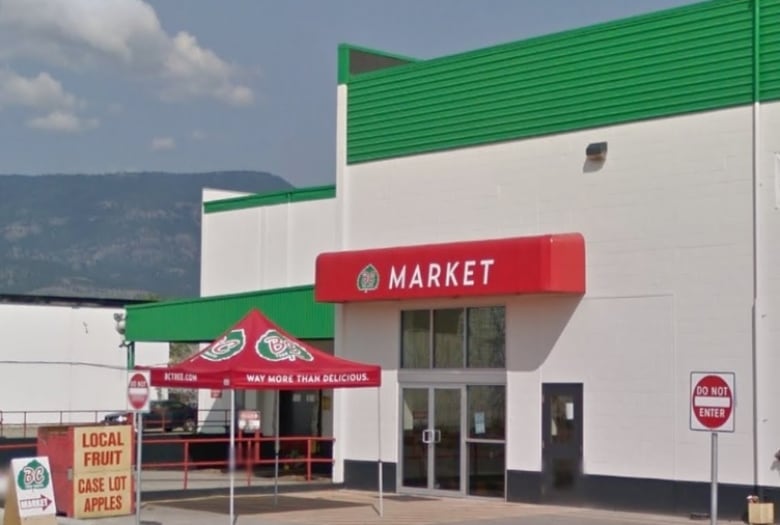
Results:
x,y
255,354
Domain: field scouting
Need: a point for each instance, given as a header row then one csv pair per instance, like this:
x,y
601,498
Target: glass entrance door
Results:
x,y
416,436
447,439
432,443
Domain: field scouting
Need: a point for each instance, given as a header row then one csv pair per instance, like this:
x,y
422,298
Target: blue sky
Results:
x,y
93,86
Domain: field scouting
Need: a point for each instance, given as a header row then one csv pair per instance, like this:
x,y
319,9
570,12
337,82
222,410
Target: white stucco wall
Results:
x,y
63,358
768,357
262,248
215,194
265,247
667,223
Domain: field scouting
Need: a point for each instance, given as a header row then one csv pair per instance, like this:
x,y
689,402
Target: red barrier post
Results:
x,y
186,462
248,460
308,459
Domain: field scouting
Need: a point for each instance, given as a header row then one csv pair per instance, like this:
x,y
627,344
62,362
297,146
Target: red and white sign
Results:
x,y
256,354
138,391
712,401
41,502
541,264
30,494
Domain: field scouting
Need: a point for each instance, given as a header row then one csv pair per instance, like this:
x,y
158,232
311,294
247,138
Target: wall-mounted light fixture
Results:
x,y
596,151
121,326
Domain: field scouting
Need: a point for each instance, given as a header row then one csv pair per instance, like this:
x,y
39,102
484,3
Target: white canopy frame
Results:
x,y
232,451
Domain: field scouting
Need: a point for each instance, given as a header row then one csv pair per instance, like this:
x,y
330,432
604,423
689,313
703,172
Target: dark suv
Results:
x,y
163,415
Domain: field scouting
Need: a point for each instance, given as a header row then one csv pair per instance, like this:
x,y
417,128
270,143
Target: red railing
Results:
x,y
23,423
248,454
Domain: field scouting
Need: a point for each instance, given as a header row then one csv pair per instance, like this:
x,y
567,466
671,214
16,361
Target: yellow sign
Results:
x,y
97,495
100,449
102,471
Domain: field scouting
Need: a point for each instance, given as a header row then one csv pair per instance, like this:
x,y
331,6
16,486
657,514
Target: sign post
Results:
x,y
712,410
138,397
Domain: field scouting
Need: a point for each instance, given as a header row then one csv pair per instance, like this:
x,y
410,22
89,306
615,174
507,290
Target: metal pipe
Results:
x,y
756,310
232,453
714,483
276,448
139,430
379,447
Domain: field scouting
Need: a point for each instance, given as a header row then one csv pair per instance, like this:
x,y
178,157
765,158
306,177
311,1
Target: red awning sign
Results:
x,y
712,402
540,264
256,354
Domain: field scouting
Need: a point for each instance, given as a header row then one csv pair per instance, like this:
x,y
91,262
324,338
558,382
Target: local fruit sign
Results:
x,y
103,480
31,494
712,401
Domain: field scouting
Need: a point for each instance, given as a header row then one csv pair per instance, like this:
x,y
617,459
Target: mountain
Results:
x,y
126,235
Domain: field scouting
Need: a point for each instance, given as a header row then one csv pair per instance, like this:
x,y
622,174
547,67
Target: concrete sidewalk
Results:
x,y
344,507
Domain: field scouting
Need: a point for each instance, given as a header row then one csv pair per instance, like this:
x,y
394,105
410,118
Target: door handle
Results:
x,y
437,433
426,436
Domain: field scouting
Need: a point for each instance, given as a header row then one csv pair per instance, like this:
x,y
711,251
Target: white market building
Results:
x,y
539,242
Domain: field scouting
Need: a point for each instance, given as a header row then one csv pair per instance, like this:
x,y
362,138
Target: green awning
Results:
x,y
203,319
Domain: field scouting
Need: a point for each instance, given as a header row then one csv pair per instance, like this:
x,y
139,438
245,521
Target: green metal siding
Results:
x,y
269,199
770,49
204,319
688,59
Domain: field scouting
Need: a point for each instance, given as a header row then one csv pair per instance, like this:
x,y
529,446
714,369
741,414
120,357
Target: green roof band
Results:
x,y
269,199
707,56
204,319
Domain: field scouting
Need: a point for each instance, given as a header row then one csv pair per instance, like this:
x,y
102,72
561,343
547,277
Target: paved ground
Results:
x,y
342,507
161,481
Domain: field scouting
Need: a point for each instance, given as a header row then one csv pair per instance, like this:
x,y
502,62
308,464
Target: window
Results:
x,y
448,328
454,338
485,439
487,338
486,410
415,339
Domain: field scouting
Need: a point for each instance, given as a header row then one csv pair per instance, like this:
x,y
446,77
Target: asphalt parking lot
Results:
x,y
344,507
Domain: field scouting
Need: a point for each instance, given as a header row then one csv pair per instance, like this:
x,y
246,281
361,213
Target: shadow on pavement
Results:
x,y
245,505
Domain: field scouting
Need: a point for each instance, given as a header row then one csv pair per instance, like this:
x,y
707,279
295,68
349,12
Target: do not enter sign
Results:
x,y
712,401
138,391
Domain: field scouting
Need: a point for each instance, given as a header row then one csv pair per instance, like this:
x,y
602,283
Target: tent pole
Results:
x,y
276,448
379,446
232,453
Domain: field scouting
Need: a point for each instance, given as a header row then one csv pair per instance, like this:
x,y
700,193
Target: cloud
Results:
x,y
43,93
198,135
63,122
119,33
163,144
40,92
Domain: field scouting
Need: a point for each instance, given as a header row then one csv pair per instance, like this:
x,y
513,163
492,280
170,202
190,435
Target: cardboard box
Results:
x,y
761,513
